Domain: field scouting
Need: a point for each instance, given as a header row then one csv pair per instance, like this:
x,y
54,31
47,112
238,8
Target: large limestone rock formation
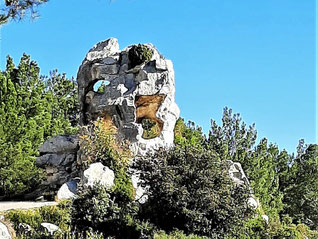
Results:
x,y
132,89
137,93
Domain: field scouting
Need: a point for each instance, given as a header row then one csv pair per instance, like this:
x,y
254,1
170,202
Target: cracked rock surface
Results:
x,y
134,87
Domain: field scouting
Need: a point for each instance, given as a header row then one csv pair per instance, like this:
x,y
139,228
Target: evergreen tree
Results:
x,y
302,191
24,118
31,110
64,107
265,166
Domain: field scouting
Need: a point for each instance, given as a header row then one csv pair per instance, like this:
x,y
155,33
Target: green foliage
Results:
x,y
265,166
58,215
189,135
123,186
233,140
106,211
256,228
139,54
27,118
302,192
190,190
150,129
64,104
176,235
24,120
99,143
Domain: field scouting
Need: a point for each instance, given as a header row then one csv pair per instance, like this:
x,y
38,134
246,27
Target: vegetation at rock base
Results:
x,y
99,143
58,215
192,191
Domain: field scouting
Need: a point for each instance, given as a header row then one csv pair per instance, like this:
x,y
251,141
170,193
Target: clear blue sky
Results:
x,y
256,57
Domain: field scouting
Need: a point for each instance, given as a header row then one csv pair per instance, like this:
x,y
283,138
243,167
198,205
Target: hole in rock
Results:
x,y
100,86
138,54
151,128
146,109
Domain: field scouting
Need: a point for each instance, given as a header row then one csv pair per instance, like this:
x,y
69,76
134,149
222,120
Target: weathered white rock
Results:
x,y
68,190
252,202
265,218
237,174
141,192
139,89
50,228
98,173
4,232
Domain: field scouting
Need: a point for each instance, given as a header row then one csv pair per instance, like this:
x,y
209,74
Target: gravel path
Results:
x,y
9,205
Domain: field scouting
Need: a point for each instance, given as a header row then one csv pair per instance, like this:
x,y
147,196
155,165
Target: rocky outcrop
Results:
x,y
133,90
137,92
58,156
238,176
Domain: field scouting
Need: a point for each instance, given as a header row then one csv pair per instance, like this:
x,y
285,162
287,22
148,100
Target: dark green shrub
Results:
x,y
190,190
107,211
176,235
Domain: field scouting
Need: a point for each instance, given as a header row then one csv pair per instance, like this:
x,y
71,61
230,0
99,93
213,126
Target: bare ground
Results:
x,y
9,205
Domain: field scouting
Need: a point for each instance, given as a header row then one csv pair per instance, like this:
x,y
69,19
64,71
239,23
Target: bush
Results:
x,y
176,235
105,211
58,215
190,190
99,143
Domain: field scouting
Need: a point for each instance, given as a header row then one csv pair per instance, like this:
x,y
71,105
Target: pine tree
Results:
x,y
302,191
24,119
64,111
31,110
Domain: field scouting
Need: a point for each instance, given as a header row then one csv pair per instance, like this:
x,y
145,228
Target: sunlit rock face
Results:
x,y
135,88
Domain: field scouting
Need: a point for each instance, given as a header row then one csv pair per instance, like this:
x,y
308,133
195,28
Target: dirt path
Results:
x,y
9,205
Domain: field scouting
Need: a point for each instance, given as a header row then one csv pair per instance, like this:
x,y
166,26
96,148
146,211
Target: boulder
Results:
x,y
60,144
58,156
68,190
266,219
98,173
138,94
4,232
252,202
50,228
